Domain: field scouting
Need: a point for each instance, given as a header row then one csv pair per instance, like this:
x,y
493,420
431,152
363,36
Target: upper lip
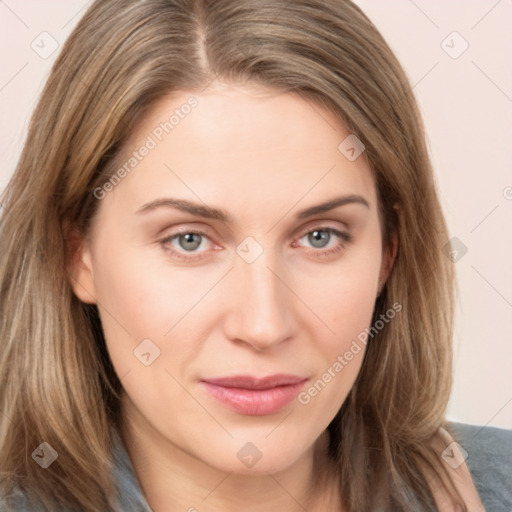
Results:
x,y
257,383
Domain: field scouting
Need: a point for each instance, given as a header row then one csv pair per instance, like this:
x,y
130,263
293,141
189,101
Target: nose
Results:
x,y
261,306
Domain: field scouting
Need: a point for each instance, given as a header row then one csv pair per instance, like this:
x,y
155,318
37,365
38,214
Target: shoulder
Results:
x,y
488,455
130,497
16,501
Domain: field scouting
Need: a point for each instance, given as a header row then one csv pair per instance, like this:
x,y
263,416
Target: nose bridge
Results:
x,y
262,308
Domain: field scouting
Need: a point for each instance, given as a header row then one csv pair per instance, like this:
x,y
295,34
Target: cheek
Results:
x,y
347,309
140,299
347,302
346,306
344,300
129,312
343,297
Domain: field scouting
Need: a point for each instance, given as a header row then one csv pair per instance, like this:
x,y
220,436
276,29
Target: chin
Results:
x,y
254,458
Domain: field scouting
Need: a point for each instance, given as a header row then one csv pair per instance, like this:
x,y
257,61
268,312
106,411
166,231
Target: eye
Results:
x,y
195,243
325,240
189,241
189,245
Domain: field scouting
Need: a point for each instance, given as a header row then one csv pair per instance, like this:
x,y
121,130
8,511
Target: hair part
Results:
x,y
58,384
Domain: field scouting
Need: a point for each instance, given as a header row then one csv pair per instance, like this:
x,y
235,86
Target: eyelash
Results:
x,y
345,237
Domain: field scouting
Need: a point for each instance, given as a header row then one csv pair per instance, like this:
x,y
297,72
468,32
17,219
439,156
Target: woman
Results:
x,y
297,356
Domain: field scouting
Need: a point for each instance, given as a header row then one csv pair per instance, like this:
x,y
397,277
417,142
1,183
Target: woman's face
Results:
x,y
231,296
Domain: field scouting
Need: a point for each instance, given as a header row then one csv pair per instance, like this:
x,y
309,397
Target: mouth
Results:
x,y
255,396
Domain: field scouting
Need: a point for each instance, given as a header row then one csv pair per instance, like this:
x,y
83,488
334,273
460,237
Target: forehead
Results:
x,y
249,145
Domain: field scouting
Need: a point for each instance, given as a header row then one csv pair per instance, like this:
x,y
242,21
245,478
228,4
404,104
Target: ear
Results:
x,y
79,263
388,260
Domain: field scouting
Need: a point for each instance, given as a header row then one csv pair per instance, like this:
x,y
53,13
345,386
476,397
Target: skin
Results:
x,y
262,156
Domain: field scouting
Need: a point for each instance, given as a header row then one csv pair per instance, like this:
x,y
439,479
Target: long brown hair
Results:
x,y
58,385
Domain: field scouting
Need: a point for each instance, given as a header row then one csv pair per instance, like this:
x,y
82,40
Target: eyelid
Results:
x,y
166,240
185,231
344,235
319,225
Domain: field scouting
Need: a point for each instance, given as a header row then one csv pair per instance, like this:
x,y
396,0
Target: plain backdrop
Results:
x,y
457,56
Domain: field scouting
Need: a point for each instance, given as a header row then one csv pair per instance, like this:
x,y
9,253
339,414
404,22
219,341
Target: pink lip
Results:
x,y
255,396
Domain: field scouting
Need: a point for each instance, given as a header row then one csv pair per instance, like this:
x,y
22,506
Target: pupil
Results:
x,y
319,238
192,241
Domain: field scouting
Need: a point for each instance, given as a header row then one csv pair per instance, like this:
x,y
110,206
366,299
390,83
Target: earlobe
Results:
x,y
80,268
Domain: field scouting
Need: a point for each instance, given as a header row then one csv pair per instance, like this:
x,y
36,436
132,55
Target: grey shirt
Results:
x,y
489,459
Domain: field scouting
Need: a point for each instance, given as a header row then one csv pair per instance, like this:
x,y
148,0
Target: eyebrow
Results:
x,y
208,212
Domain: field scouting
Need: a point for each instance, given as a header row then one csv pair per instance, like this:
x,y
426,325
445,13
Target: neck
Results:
x,y
175,480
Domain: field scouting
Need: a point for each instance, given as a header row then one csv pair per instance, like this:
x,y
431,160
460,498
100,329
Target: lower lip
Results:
x,y
255,402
